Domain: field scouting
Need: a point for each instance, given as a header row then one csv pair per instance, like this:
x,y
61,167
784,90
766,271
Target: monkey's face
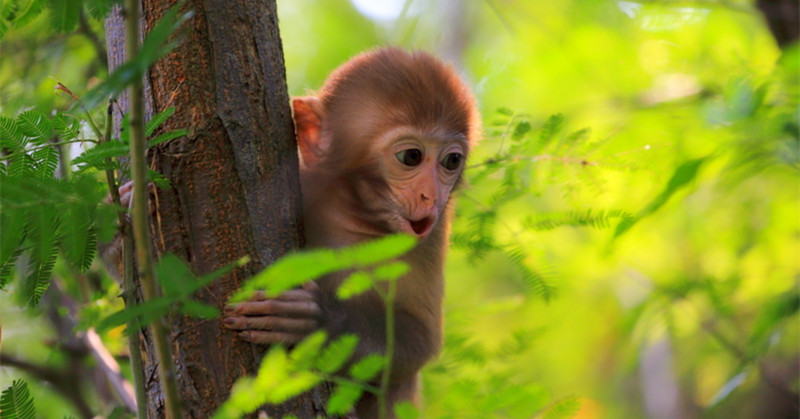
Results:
x,y
420,169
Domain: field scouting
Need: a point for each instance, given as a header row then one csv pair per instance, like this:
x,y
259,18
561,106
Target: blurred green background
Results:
x,y
645,267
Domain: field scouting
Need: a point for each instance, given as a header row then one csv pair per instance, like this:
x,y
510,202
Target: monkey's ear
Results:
x,y
308,114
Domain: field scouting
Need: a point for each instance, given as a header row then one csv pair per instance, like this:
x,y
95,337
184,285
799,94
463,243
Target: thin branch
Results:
x,y
144,259
86,30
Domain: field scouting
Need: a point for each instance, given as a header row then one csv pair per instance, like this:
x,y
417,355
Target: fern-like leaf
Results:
x,y
43,226
79,240
157,120
170,135
16,402
64,14
536,280
46,160
21,165
13,226
99,9
28,11
96,156
550,129
588,218
564,409
66,126
11,135
35,126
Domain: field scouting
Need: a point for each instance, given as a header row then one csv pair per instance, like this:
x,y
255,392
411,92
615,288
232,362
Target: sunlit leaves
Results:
x,y
16,402
179,285
155,45
684,174
336,354
563,409
368,367
283,375
296,269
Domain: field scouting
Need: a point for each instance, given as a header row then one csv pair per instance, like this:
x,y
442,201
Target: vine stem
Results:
x,y
144,259
137,368
383,406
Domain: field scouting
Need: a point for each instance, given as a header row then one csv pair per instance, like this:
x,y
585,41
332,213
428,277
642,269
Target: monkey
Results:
x,y
382,146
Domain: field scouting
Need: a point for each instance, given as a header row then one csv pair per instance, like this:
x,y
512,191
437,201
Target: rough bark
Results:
x,y
235,186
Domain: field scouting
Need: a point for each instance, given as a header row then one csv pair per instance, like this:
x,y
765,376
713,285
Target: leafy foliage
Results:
x,y
16,402
44,212
64,14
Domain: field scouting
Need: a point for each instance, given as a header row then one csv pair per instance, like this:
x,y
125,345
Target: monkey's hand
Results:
x,y
111,252
286,319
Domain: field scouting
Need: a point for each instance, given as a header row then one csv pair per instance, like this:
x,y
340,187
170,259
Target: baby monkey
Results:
x,y
382,147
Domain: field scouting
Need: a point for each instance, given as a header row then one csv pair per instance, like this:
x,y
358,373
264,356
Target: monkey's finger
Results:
x,y
267,338
291,295
282,308
271,323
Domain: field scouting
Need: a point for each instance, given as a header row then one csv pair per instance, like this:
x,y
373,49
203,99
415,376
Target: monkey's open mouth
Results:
x,y
422,226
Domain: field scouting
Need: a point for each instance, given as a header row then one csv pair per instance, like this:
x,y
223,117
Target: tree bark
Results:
x,y
235,185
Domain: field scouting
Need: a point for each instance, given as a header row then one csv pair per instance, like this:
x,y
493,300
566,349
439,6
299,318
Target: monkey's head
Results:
x,y
397,128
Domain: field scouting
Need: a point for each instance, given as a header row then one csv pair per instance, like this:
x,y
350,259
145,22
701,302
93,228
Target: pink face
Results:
x,y
421,169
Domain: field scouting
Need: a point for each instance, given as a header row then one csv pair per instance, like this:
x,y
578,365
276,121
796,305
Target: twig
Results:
x,y
140,224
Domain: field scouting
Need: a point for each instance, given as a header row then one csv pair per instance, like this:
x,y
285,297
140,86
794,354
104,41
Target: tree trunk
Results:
x,y
235,186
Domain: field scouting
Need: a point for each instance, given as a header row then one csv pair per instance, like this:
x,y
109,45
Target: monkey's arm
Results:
x,y
286,319
296,313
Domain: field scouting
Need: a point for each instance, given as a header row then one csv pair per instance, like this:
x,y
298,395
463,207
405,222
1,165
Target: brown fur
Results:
x,y
355,189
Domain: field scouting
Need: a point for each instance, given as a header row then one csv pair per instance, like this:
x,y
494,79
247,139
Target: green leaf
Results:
x,y
79,240
391,271
304,354
95,156
732,384
169,135
296,384
377,251
684,174
157,120
565,408
12,224
35,126
334,356
298,268
406,410
46,160
43,222
520,130
355,284
99,9
770,316
551,128
16,402
154,47
368,367
505,111
198,309
64,14
11,134
66,126
343,399
139,315
175,276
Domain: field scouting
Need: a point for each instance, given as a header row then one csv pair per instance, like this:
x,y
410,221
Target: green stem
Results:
x,y
137,367
58,144
383,406
140,223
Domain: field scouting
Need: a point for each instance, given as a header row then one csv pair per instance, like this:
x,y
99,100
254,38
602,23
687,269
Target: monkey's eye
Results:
x,y
410,157
452,161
